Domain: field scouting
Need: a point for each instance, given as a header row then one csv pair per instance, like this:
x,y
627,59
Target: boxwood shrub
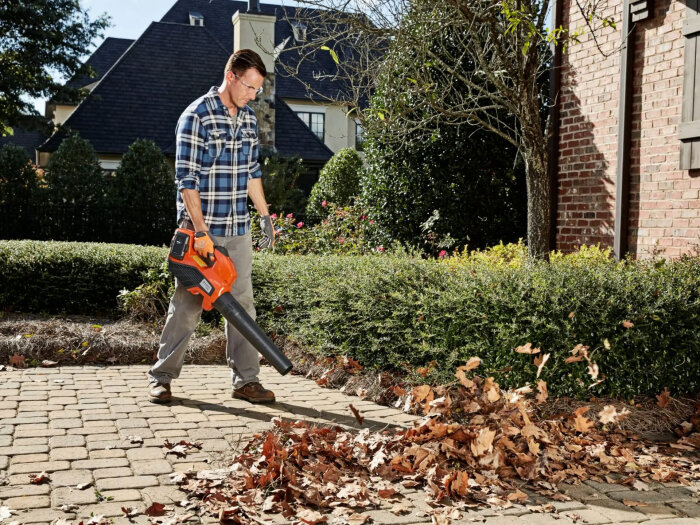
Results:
x,y
425,317
71,277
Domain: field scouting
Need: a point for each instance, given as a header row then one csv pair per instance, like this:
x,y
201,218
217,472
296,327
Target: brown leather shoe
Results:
x,y
160,393
255,393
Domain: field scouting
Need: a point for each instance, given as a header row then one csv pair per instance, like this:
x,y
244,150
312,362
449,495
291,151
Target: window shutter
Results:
x,y
689,127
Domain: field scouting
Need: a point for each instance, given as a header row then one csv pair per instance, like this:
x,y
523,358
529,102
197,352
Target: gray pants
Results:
x,y
184,313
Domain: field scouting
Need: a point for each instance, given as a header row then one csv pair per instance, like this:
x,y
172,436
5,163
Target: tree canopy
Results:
x,y
41,45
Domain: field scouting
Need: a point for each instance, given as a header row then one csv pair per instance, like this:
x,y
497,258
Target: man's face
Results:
x,y
243,87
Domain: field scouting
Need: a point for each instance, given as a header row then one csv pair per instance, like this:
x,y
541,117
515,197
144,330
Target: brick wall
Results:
x,y
664,201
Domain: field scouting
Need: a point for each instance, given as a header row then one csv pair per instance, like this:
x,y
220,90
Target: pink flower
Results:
x,y
380,249
341,240
300,224
324,204
290,216
371,221
325,221
443,253
273,216
363,217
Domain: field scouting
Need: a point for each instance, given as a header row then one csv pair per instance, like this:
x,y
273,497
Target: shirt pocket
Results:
x,y
217,143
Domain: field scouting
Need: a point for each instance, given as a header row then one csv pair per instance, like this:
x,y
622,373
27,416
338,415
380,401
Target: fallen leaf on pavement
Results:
x,y
631,503
156,509
357,415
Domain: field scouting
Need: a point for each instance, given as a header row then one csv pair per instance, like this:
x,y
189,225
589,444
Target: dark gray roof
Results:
x,y
145,92
102,59
218,16
29,140
293,137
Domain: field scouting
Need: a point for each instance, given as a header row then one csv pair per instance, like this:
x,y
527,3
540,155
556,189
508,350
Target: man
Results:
x,y
216,170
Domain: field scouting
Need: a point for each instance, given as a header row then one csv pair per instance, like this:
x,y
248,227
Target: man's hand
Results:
x,y
268,230
204,245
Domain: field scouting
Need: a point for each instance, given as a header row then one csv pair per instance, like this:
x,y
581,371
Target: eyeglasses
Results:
x,y
258,91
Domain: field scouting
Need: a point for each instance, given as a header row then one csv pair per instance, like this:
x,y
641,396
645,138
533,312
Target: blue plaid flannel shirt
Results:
x,y
217,155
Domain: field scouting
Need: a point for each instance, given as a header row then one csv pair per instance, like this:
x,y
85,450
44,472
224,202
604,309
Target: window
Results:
x,y
315,122
359,137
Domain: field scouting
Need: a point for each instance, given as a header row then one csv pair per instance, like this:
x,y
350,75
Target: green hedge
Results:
x,y
400,313
71,277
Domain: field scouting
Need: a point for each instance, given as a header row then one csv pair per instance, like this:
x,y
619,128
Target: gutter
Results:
x,y
554,122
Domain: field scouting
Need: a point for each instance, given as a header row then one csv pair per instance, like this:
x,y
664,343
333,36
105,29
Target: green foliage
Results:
x,y
280,182
400,313
74,175
345,230
142,196
71,277
19,187
42,41
338,183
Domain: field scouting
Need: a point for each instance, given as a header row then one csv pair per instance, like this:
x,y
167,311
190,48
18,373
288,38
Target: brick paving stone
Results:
x,y
31,426
29,441
66,423
67,441
105,429
123,495
40,433
48,466
115,472
4,462
646,496
104,417
29,458
70,478
64,414
676,494
8,404
29,449
91,438
100,463
45,515
205,433
8,413
63,401
686,508
124,409
605,488
132,423
5,440
68,453
215,445
13,491
615,511
148,453
111,443
110,509
155,467
106,454
24,420
131,482
72,496
27,502
658,511
140,432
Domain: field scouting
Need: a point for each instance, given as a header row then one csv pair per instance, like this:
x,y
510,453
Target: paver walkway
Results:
x,y
75,423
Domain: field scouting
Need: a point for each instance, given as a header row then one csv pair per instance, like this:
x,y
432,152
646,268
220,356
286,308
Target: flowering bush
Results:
x,y
344,231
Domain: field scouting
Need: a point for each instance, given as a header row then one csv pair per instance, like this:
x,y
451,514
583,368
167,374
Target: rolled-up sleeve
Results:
x,y
254,171
189,150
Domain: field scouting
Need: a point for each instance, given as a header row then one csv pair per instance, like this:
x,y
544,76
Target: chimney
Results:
x,y
253,6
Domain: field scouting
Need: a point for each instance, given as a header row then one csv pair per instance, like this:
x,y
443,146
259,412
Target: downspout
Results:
x,y
624,134
553,139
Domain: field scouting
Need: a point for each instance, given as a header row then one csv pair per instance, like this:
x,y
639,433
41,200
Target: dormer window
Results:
x,y
196,18
299,31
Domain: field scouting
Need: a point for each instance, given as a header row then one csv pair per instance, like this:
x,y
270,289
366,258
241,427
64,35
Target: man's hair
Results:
x,y
242,60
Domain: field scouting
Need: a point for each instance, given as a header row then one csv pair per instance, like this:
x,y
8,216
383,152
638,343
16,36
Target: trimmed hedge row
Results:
x,y
399,313
71,277
639,320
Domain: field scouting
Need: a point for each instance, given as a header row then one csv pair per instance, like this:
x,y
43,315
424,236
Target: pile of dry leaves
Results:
x,y
321,475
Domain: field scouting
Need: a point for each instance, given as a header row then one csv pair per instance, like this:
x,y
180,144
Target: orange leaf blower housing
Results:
x,y
213,281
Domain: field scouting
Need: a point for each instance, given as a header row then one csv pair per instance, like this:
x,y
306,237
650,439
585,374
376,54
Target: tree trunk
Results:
x,y
538,199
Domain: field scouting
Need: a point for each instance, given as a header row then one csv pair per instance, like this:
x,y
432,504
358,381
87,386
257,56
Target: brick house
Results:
x,y
626,156
143,85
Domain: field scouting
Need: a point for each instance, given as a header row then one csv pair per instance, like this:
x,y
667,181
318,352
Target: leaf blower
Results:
x,y
212,279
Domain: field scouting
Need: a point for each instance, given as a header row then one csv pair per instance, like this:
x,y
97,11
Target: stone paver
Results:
x,y
77,424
